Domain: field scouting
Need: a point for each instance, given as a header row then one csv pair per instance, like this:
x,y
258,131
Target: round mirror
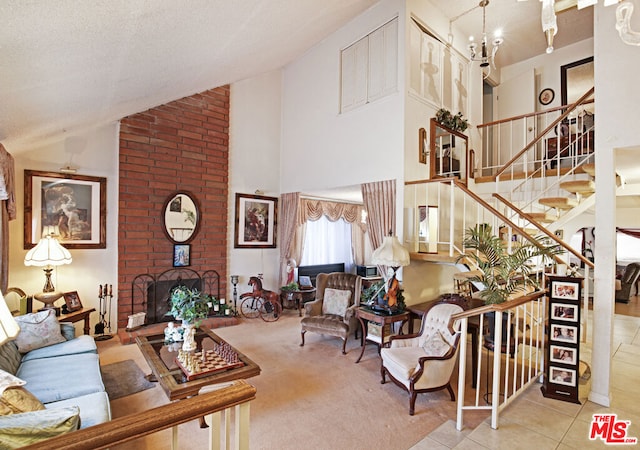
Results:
x,y
181,217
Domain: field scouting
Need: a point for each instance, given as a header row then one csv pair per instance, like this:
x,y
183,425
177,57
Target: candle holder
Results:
x,y
234,281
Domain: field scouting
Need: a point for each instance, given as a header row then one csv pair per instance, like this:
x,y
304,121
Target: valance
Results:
x,y
315,209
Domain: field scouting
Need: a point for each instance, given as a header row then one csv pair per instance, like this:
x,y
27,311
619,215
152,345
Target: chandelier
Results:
x,y
623,17
486,56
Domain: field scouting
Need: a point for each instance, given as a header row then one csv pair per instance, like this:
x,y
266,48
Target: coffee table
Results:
x,y
161,358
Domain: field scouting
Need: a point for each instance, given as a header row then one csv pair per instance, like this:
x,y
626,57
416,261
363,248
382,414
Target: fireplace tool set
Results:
x,y
105,295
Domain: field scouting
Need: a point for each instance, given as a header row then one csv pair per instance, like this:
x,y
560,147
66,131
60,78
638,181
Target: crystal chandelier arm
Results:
x,y
623,18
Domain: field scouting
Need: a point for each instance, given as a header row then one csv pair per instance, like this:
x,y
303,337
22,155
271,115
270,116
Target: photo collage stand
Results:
x,y
563,349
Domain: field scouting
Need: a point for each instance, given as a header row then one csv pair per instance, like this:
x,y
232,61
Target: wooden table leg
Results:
x,y
363,339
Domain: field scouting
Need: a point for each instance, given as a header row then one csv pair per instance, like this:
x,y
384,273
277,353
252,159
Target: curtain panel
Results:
x,y
290,221
380,203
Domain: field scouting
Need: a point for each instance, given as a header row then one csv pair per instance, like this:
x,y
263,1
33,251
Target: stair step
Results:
x,y
542,217
589,168
584,187
559,202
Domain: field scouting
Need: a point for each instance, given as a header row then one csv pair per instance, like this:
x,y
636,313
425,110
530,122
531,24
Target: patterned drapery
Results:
x,y
380,203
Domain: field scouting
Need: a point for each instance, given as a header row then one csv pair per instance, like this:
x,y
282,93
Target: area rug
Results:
x,y
123,378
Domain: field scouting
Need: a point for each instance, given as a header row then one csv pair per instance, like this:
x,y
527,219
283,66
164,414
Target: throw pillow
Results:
x,y
20,430
335,301
38,330
436,345
14,398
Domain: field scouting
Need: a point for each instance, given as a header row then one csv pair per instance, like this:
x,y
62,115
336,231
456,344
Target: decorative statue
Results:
x,y
291,268
168,333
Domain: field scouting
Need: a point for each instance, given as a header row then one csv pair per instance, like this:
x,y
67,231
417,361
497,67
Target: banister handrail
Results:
x,y
533,114
509,304
539,137
497,213
134,426
544,230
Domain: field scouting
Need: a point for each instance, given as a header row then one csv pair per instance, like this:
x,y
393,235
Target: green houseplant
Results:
x,y
504,274
190,305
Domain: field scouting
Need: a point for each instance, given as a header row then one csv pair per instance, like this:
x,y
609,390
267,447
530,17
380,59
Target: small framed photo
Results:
x,y
304,282
564,333
564,311
181,255
563,355
560,375
546,96
564,289
72,300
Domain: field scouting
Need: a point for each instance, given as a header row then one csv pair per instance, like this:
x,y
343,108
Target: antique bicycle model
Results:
x,y
260,302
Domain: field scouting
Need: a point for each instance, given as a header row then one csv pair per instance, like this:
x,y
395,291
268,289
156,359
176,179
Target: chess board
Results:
x,y
214,361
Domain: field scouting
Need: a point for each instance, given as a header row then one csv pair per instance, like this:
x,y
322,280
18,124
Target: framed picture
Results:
x,y
72,300
564,311
181,255
563,355
546,96
560,375
256,221
305,282
564,289
564,333
72,207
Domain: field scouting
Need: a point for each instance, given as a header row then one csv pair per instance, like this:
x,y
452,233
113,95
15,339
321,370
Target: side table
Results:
x,y
76,316
299,297
367,315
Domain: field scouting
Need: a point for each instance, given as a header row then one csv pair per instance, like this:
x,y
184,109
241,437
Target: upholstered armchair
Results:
x,y
625,284
333,311
424,361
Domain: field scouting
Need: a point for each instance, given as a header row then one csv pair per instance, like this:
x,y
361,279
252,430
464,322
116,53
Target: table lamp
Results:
x,y
392,254
48,253
9,329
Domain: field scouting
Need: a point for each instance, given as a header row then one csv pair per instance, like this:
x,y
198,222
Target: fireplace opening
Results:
x,y
159,294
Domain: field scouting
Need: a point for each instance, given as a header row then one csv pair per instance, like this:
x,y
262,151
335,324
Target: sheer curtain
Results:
x,y
328,242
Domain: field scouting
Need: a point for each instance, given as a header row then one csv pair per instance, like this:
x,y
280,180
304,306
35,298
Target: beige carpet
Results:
x,y
310,397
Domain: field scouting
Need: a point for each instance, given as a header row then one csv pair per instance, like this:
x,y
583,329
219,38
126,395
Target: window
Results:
x,y
369,68
327,242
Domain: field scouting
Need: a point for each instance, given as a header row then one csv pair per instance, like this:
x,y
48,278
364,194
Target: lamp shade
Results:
x,y
9,328
48,252
391,253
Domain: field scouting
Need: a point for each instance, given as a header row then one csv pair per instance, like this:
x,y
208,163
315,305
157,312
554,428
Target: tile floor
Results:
x,y
535,422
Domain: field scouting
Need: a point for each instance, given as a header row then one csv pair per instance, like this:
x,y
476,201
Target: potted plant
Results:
x,y
191,306
504,274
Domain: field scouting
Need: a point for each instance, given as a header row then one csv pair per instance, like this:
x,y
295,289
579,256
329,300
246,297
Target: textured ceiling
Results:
x,y
66,65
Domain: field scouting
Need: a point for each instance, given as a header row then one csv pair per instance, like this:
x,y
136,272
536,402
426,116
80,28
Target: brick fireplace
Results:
x,y
182,145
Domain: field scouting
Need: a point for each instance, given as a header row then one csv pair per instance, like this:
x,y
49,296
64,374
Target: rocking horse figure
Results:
x,y
260,302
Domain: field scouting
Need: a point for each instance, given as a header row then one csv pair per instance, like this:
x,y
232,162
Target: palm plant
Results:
x,y
504,274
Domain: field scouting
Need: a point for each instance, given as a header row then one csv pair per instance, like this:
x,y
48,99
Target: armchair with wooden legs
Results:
x,y
424,361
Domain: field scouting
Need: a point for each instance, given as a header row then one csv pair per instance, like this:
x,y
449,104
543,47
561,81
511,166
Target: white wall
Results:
x,y
322,148
254,164
95,154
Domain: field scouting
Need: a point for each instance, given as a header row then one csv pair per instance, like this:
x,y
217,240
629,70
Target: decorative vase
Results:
x,y
188,343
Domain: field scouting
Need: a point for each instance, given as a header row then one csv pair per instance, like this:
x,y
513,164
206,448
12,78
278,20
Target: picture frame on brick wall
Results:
x,y
255,221
181,255
71,207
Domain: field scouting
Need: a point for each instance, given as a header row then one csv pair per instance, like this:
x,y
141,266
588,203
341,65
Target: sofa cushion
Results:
x,y
38,330
10,357
17,430
94,408
53,379
336,301
81,344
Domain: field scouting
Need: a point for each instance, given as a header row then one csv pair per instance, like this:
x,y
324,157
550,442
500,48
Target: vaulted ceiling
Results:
x,y
66,65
